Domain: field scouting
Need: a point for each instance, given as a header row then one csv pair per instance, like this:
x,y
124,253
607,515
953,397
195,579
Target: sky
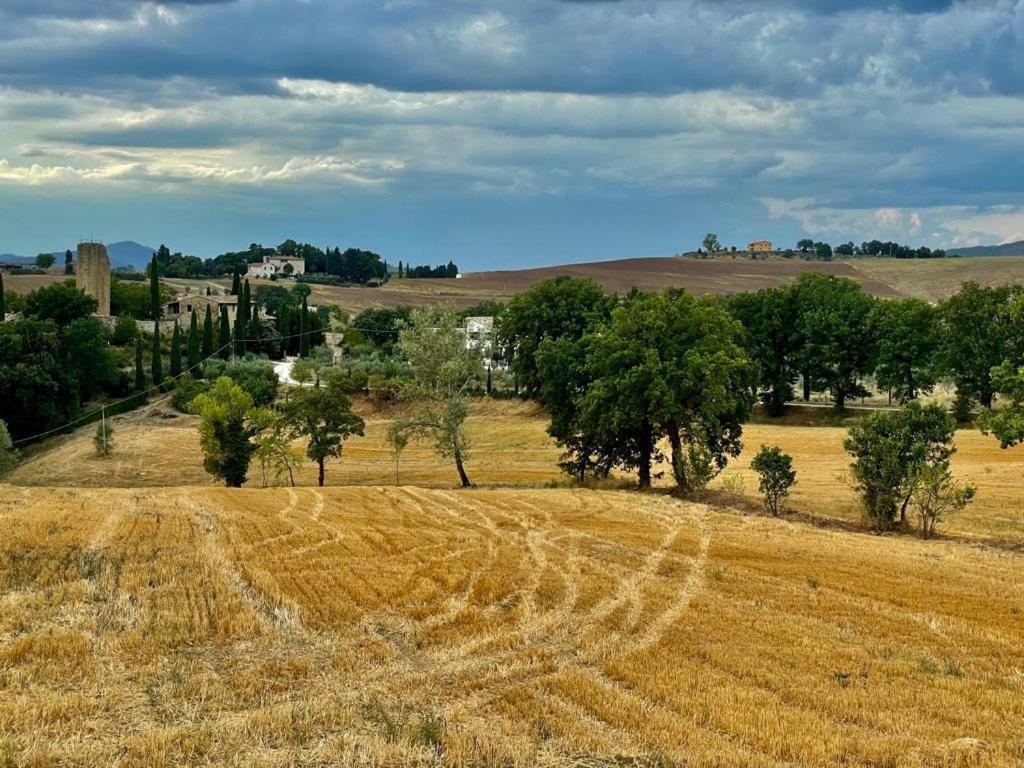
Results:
x,y
509,134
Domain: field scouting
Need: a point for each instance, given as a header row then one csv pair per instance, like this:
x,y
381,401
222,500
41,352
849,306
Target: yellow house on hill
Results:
x,y
760,246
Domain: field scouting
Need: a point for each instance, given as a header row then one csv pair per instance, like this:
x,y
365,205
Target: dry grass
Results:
x,y
935,279
383,626
511,448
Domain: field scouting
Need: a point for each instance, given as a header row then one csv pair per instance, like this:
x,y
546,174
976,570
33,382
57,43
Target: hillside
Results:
x,y
126,253
1003,249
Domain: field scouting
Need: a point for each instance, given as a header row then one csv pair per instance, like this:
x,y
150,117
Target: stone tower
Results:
x,y
92,274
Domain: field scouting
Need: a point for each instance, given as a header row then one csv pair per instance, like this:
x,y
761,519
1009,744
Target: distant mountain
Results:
x,y
126,253
1005,249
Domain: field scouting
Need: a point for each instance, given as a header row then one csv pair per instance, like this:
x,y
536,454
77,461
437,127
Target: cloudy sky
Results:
x,y
505,134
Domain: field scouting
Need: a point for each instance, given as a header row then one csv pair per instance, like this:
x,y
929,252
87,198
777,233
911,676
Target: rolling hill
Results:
x,y
1015,248
125,253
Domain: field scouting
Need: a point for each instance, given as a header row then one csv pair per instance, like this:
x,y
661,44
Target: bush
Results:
x,y
186,391
126,331
104,438
8,455
256,377
775,469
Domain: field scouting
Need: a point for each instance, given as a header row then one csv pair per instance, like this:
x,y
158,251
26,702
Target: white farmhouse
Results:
x,y
281,266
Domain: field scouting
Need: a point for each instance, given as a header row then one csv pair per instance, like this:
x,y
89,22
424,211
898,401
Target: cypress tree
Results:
x,y
209,291
208,334
69,263
283,327
399,268
176,353
3,300
193,341
224,336
140,374
236,282
304,331
154,288
157,365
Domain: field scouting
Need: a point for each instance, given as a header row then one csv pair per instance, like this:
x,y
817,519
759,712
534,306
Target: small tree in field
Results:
x,y
275,453
227,428
775,469
323,415
398,440
445,372
104,438
8,455
936,495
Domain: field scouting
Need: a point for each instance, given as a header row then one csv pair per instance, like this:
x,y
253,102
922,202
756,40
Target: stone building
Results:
x,y
184,304
282,266
92,274
760,246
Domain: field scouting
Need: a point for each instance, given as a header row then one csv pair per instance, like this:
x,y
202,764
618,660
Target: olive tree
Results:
x,y
445,372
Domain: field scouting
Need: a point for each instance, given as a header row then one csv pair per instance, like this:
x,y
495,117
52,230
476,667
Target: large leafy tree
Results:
x,y
445,372
62,303
672,365
88,357
838,341
890,449
227,429
380,326
978,334
324,417
37,389
908,345
563,307
772,338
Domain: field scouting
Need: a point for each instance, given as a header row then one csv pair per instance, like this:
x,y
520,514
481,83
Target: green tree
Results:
x,y
69,263
45,260
380,326
275,453
103,439
207,351
224,333
324,417
890,449
126,331
772,338
256,377
710,243
38,388
562,307
156,365
805,245
838,340
62,303
1007,423
155,299
88,357
227,428
936,495
668,364
175,365
445,373
8,455
978,334
192,355
777,476
140,373
908,345
3,300
304,330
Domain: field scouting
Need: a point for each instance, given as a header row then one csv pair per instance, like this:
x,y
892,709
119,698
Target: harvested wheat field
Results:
x,y
384,626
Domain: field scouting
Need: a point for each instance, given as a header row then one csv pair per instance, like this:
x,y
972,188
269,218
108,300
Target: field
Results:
x,y
384,626
510,447
931,279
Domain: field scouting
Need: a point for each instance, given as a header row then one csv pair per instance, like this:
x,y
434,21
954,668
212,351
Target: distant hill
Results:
x,y
1005,249
126,253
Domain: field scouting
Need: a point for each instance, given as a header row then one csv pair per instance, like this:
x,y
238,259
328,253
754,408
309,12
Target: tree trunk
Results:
x,y
291,474
678,462
840,400
807,388
458,465
320,477
646,449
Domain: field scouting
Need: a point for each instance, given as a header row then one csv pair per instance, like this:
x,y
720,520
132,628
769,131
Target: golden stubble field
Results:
x,y
505,627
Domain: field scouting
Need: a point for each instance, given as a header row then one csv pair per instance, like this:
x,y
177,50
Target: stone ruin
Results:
x,y
92,274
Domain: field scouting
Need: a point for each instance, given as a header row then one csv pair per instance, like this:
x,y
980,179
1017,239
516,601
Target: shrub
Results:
x,y
186,391
8,455
936,494
104,438
255,376
775,469
126,331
